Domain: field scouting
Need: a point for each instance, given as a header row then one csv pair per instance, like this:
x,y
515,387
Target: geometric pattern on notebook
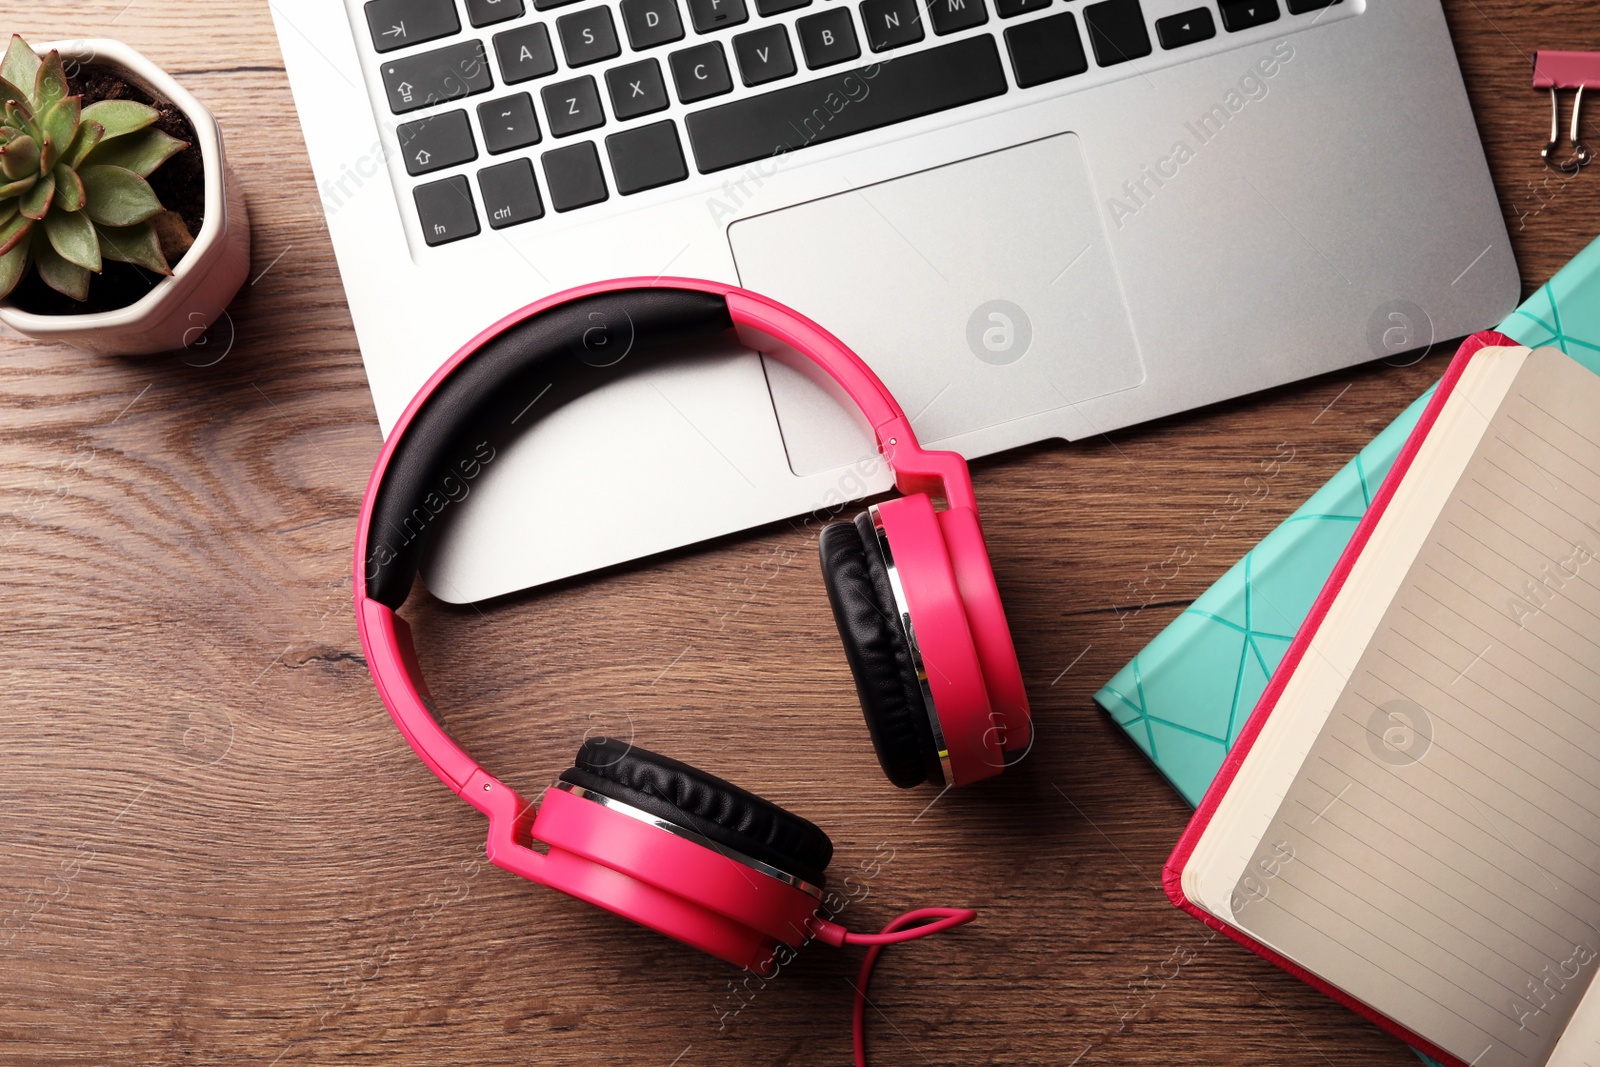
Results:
x,y
1184,699
1236,644
1543,310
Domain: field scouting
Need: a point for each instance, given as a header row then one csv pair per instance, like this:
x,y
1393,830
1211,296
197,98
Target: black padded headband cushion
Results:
x,y
704,803
880,659
591,337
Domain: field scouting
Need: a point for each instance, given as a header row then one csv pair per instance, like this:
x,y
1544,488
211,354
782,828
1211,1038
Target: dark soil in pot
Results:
x,y
180,183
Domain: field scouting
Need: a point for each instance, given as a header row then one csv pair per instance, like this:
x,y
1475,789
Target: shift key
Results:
x,y
853,101
447,73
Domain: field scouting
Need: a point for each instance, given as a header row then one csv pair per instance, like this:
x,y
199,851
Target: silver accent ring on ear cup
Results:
x,y
902,608
640,815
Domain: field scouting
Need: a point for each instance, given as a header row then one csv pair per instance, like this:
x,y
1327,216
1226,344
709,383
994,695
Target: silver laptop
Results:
x,y
1034,218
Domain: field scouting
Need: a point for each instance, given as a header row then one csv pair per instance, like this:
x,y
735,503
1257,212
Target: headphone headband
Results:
x,y
582,334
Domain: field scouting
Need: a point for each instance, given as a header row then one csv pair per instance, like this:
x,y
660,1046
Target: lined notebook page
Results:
x,y
1438,856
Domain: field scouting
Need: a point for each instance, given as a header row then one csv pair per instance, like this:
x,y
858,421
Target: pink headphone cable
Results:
x,y
927,921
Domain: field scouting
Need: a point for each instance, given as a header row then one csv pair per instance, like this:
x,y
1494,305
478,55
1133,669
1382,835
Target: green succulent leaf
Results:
x,y
8,211
36,201
141,152
19,116
133,244
19,158
69,188
10,92
12,265
120,116
63,276
23,122
89,134
49,85
116,196
14,233
18,187
60,127
73,237
21,65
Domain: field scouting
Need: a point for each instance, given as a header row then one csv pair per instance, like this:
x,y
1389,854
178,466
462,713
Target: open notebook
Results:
x,y
1411,820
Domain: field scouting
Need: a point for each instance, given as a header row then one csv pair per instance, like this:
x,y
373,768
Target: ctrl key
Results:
x,y
510,194
445,210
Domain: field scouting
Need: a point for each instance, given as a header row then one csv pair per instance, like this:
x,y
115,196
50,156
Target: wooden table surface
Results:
x,y
218,848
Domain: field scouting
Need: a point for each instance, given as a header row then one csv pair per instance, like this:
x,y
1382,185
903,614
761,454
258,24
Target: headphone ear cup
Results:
x,y
714,808
880,658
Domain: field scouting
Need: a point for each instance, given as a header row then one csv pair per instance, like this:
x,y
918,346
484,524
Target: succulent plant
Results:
x,y
72,179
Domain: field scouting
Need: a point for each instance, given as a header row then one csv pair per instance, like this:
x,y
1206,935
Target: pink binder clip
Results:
x,y
1566,70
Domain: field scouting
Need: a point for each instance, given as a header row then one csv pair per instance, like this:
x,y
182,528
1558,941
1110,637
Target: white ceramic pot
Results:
x,y
177,311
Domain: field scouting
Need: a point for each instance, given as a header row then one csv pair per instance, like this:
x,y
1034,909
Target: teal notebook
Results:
x,y
1186,696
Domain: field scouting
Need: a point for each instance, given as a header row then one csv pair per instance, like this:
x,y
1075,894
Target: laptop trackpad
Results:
x,y
983,292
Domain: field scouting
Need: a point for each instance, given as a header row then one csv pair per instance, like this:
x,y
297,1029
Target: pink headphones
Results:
x,y
647,837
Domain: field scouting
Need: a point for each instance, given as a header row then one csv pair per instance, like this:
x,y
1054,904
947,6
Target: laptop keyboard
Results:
x,y
570,86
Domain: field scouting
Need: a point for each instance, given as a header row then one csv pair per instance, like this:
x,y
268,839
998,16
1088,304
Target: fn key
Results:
x,y
445,209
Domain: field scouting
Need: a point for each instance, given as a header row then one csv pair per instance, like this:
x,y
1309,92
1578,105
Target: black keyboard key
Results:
x,y
782,120
445,210
700,72
764,55
1300,7
948,16
1116,30
436,142
1243,14
768,8
651,22
709,15
546,5
587,36
573,177
489,12
572,106
510,193
508,123
828,37
1185,28
646,157
525,53
892,23
636,89
1046,50
397,23
447,73
1007,9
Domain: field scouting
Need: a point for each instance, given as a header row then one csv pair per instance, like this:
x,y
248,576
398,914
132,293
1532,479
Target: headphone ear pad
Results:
x,y
712,807
875,646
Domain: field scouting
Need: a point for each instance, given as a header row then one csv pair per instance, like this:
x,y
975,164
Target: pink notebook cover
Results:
x,y
1172,875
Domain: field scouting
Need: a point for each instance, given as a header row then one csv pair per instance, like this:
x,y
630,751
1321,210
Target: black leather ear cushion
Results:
x,y
880,659
703,803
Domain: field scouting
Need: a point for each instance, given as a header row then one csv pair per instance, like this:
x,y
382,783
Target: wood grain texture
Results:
x,y
217,848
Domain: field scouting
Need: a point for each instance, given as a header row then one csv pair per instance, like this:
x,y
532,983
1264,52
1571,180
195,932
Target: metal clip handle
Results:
x,y
1581,155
